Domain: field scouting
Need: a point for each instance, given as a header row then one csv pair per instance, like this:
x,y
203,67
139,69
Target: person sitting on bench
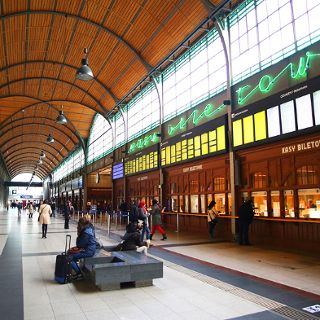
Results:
x,y
86,246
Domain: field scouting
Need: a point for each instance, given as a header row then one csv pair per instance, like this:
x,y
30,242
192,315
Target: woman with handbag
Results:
x,y
212,217
44,217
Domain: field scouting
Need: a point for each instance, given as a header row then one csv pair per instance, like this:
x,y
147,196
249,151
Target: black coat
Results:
x,y
246,212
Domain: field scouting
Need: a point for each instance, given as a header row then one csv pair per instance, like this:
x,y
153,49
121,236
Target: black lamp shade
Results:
x,y
50,139
61,119
84,72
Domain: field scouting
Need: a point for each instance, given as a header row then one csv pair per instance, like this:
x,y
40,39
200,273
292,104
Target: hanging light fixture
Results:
x,y
84,72
61,119
50,138
39,161
42,155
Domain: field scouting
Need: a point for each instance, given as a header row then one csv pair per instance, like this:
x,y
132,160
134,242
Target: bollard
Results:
x,y
108,224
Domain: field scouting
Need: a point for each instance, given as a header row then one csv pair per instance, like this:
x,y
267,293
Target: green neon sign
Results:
x,y
268,82
195,117
143,143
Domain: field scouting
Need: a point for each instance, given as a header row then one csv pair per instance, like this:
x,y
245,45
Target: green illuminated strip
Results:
x,y
208,112
267,82
142,143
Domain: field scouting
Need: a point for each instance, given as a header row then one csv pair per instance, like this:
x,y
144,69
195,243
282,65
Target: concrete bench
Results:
x,y
119,269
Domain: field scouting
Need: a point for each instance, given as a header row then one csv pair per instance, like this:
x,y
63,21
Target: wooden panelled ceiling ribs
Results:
x,y
41,47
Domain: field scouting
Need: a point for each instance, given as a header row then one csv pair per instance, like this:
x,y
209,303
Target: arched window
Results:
x,y
100,140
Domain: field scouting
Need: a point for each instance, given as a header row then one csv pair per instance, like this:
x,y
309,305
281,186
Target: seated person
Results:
x,y
86,245
131,240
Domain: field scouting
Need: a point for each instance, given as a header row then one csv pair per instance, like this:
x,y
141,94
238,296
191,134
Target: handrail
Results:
x,y
225,216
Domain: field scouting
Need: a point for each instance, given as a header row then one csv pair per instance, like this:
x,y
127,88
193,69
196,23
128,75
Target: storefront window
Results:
x,y
259,199
229,204
219,184
181,204
220,200
194,202
307,175
309,203
259,180
186,200
275,203
174,203
289,204
210,198
203,203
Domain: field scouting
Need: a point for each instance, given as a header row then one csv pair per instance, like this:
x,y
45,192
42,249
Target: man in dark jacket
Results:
x,y
134,212
246,213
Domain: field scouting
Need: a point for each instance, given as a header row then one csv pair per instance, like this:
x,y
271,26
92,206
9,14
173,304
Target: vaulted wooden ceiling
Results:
x,y
41,47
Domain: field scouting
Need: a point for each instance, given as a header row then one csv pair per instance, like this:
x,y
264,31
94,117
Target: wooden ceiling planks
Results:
x,y
42,46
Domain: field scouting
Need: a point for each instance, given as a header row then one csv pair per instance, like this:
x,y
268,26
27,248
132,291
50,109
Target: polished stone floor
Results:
x,y
202,279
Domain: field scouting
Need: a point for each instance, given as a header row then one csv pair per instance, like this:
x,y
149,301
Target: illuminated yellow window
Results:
x,y
204,144
184,150
248,135
173,153
126,168
168,155
147,161
178,151
212,141
197,146
163,156
155,157
260,128
237,133
221,137
136,168
144,166
190,148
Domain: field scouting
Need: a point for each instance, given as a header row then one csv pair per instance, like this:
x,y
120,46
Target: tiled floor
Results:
x,y
202,279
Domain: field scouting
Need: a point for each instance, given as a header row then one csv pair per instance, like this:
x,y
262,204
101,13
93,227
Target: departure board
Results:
x,y
142,163
117,171
200,145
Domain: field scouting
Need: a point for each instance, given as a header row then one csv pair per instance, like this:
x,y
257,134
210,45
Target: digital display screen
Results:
x,y
117,171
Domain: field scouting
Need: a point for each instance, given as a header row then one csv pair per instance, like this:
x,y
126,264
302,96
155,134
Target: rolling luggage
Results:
x,y
62,273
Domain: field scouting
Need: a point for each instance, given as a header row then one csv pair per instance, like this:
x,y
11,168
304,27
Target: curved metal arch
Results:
x,y
23,159
108,91
85,20
60,80
40,125
25,150
32,134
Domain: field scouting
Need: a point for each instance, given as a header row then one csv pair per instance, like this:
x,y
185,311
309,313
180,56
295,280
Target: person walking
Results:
x,y
44,214
212,217
69,210
134,212
30,209
156,220
143,215
246,213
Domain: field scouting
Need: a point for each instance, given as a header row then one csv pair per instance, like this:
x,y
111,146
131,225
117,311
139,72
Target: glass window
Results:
x,y
304,112
288,121
259,199
220,200
203,203
260,180
275,203
307,175
219,184
181,204
194,203
174,203
229,204
289,204
309,203
186,200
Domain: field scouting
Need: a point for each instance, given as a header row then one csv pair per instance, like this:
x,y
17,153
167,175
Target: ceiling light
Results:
x,y
84,72
42,154
50,139
39,161
61,119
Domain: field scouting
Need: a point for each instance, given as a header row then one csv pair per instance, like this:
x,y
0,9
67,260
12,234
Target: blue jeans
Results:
x,y
146,230
75,258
